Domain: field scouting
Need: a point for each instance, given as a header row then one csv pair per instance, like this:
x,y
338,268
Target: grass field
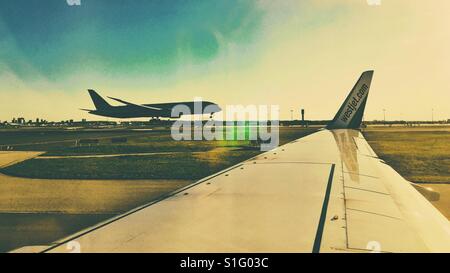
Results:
x,y
419,154
181,159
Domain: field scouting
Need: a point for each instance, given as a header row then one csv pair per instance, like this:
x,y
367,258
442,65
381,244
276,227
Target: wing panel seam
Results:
x,y
323,215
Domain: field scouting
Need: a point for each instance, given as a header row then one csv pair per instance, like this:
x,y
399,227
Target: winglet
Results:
x,y
351,112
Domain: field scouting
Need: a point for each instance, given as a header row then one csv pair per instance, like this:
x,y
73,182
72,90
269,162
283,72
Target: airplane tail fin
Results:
x,y
351,112
99,102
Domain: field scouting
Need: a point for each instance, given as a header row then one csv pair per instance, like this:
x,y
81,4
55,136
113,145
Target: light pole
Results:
x,y
384,116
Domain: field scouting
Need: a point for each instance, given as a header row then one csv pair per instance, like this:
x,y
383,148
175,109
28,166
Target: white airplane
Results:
x,y
327,192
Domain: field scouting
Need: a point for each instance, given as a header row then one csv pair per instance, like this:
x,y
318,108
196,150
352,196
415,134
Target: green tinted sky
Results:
x,y
290,53
121,38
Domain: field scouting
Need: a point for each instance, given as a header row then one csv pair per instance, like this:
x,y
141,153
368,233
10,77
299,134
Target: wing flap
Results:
x,y
381,233
364,182
371,202
382,208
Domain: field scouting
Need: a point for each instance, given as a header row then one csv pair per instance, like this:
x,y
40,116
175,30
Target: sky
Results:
x,y
292,53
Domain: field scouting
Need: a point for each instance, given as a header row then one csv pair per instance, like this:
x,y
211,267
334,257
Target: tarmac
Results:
x,y
24,195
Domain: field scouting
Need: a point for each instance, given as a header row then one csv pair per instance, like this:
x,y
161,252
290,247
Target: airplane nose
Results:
x,y
218,109
212,107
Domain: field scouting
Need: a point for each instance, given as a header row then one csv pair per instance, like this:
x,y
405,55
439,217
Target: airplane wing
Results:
x,y
327,192
136,105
